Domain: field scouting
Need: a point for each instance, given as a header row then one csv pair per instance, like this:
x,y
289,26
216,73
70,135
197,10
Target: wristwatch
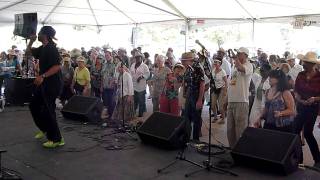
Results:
x,y
43,75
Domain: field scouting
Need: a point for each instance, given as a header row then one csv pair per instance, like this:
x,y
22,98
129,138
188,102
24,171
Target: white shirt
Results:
x,y
127,85
238,89
256,79
142,70
218,78
206,78
294,71
226,66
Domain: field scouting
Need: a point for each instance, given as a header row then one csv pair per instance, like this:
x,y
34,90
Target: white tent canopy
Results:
x,y
122,12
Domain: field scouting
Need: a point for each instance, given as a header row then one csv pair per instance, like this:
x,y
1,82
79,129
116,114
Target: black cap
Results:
x,y
48,31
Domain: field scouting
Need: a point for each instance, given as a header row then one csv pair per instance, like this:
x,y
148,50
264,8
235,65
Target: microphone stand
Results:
x,y
208,166
123,128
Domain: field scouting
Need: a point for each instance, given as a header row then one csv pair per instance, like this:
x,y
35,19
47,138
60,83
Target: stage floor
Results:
x,y
89,154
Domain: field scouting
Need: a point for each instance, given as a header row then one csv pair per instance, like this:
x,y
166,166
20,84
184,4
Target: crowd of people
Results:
x,y
272,92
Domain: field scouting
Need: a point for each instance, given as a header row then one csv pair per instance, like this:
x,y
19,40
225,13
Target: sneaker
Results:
x,y
51,144
39,135
62,143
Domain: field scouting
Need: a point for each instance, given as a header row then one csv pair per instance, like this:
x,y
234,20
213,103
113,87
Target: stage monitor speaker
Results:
x,y
25,24
18,90
82,108
163,130
268,150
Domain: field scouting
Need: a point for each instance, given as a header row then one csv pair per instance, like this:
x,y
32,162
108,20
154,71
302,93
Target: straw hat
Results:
x,y
243,50
187,56
75,53
221,50
310,57
178,65
81,59
290,57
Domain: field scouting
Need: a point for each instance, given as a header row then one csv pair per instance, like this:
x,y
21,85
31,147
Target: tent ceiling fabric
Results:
x,y
118,12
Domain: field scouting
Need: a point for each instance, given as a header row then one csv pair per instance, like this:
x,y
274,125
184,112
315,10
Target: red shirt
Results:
x,y
307,88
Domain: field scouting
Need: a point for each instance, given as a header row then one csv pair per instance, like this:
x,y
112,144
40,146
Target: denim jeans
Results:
x,y
140,101
108,98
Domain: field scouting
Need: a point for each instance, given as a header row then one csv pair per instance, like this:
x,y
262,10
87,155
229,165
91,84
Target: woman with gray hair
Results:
x,y
158,80
67,76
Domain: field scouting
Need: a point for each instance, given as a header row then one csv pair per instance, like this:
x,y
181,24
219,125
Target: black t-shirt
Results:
x,y
49,56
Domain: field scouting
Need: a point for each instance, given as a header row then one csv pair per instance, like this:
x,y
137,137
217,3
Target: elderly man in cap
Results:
x,y
295,68
48,86
140,73
238,96
194,87
226,65
122,53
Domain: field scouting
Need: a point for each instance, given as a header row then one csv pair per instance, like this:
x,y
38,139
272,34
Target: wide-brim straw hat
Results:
x,y
310,57
290,57
81,59
187,56
178,65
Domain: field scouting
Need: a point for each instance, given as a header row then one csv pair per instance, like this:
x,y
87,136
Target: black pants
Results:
x,y
192,115
305,119
96,92
42,108
1,83
140,102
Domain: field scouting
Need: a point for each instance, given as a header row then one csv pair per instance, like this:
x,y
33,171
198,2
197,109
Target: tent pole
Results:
x,y
13,4
120,11
157,8
187,23
50,13
253,31
135,35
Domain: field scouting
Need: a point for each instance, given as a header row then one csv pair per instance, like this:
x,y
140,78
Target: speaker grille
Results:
x,y
80,104
272,145
161,125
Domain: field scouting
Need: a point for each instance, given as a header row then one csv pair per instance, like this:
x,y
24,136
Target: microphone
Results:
x,y
199,43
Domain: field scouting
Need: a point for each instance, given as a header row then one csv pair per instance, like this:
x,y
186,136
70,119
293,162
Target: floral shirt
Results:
x,y
192,79
109,75
172,85
159,80
96,77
